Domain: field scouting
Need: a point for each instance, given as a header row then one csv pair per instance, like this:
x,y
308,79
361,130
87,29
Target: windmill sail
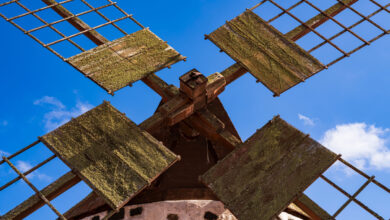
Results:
x,y
114,64
269,56
279,69
258,170
105,148
122,62
123,163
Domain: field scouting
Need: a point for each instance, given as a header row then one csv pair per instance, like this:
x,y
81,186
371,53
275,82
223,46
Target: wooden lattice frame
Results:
x,y
305,27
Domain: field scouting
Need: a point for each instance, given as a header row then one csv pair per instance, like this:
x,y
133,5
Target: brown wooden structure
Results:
x,y
190,121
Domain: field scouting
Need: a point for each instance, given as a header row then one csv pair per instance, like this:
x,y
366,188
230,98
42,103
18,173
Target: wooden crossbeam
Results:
x,y
311,208
235,71
318,20
167,92
80,25
153,81
50,192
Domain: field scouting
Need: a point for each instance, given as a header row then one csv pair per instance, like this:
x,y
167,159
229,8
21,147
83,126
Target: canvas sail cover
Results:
x,y
110,153
260,178
266,53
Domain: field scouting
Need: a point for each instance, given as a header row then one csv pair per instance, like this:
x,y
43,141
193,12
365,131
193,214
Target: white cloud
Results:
x,y
50,100
59,113
4,153
363,145
25,166
306,120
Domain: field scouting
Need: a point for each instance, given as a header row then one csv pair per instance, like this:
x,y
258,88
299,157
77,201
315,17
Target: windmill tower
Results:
x,y
145,171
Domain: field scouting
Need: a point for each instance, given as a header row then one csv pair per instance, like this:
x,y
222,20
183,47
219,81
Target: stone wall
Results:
x,y
176,210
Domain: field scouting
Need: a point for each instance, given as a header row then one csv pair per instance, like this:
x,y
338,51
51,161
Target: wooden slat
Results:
x,y
181,176
268,171
269,56
50,192
318,20
80,25
237,70
152,80
105,148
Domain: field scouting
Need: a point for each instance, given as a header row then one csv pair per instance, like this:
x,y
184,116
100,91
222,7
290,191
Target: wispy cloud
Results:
x,y
363,145
4,123
59,114
50,100
4,153
306,120
25,166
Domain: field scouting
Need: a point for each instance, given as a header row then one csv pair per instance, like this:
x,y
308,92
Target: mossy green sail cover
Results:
x,y
110,153
269,56
261,177
119,63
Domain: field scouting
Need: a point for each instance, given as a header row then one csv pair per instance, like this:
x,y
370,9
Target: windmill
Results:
x,y
127,164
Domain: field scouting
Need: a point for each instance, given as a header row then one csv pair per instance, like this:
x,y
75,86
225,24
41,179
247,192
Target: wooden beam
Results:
x,y
295,211
50,192
153,81
311,208
80,25
209,126
181,106
160,87
318,20
235,71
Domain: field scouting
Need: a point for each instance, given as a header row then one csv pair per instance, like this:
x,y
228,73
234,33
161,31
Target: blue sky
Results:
x,y
345,107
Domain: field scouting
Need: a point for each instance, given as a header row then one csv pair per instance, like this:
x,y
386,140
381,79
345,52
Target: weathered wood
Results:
x,y
160,87
318,20
233,72
184,104
91,203
181,114
193,84
174,104
312,209
215,85
236,70
119,63
105,148
273,59
294,210
181,180
153,122
212,120
204,123
268,171
152,80
50,192
80,25
220,149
